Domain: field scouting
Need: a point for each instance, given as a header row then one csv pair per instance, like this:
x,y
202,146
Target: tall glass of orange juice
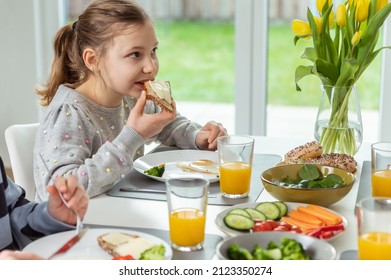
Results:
x,y
187,202
374,228
235,165
381,169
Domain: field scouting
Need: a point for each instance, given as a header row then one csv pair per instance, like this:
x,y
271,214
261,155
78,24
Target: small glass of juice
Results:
x,y
374,228
187,202
381,169
235,165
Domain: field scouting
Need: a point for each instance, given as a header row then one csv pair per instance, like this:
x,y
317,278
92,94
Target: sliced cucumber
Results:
x,y
238,222
283,208
239,211
255,214
269,209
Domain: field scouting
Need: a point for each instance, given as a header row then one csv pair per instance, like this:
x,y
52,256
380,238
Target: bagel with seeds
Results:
x,y
311,153
308,150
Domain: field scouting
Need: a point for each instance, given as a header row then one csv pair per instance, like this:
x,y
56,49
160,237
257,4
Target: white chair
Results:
x,y
20,139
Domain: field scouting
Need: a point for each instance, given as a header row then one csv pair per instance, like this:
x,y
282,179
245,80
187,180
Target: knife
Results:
x,y
69,244
132,189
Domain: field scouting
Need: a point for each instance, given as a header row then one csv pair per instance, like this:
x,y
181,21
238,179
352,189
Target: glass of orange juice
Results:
x,y
381,169
374,228
235,165
187,201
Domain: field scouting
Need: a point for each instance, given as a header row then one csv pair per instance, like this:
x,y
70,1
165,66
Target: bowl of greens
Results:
x,y
269,245
308,183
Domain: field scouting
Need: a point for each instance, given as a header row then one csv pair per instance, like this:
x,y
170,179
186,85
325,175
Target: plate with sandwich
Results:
x,y
104,244
161,166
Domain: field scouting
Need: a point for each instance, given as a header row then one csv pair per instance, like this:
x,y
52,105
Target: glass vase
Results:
x,y
338,126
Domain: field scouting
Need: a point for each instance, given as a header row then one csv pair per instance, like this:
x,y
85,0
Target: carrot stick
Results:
x,y
337,218
326,216
302,225
306,218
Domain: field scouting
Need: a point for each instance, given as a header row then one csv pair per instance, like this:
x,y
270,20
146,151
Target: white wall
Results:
x,y
26,29
17,67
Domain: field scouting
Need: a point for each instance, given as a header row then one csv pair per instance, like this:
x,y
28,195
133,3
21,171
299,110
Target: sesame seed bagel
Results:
x,y
308,150
311,153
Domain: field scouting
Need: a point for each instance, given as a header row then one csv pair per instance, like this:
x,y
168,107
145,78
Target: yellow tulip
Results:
x,y
320,4
352,3
362,8
380,4
301,28
341,15
356,38
318,22
331,18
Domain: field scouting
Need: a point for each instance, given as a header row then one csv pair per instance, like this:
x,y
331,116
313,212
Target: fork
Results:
x,y
79,224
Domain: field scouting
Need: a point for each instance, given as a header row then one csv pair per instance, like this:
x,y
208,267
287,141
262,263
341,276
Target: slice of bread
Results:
x,y
133,247
160,93
123,244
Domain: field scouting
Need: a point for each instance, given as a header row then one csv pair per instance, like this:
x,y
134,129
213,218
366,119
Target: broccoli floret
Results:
x,y
237,253
153,253
258,253
296,256
272,245
292,250
156,170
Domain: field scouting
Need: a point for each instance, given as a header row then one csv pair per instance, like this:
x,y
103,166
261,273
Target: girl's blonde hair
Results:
x,y
95,28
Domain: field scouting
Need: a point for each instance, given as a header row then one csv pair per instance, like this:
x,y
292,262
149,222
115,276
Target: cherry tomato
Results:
x,y
281,228
295,229
127,257
285,224
262,226
273,224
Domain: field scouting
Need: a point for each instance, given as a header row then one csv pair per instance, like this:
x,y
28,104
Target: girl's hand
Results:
x,y
206,139
73,193
148,125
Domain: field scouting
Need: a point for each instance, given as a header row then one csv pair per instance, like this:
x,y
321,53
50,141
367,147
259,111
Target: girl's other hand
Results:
x,y
148,125
206,139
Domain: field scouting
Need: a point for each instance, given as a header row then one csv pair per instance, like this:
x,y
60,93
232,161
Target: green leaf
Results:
x,y
301,72
310,54
332,180
348,70
327,69
309,172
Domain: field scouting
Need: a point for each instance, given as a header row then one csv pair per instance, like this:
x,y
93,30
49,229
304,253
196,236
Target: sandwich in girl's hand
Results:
x,y
160,93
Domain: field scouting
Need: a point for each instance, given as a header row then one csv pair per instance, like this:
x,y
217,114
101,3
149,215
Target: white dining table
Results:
x,y
129,212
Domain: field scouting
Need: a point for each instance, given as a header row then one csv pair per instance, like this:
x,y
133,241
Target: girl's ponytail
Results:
x,y
66,64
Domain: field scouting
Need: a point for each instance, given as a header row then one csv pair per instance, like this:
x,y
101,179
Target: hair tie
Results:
x,y
74,25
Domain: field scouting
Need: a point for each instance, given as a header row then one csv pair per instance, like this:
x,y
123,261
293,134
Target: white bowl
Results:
x,y
315,248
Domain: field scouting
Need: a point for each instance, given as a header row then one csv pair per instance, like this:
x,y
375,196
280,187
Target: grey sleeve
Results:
x,y
181,132
70,143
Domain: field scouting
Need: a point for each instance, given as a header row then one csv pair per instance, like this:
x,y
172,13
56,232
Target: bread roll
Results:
x,y
308,150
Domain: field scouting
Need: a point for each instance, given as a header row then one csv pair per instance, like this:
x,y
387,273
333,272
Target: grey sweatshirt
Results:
x,y
80,137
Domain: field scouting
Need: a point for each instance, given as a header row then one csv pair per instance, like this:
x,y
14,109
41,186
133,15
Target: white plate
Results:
x,y
219,221
170,159
87,247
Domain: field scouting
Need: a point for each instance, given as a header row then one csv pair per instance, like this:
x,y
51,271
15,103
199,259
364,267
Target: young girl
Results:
x,y
98,118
